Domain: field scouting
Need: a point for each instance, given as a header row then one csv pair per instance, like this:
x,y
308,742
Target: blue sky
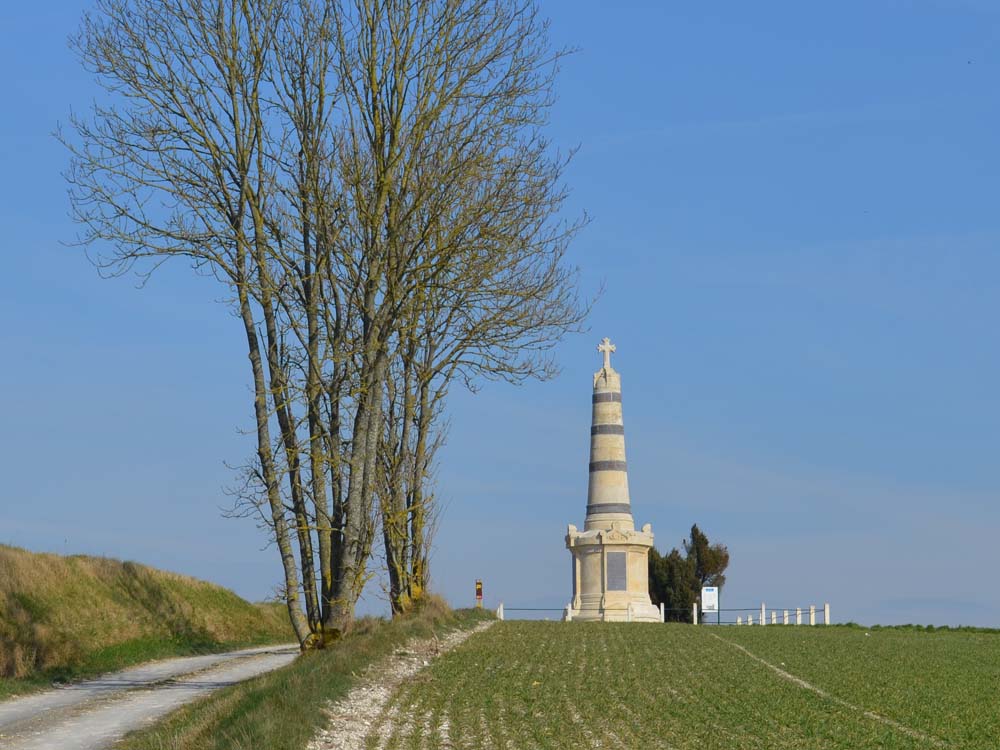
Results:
x,y
795,224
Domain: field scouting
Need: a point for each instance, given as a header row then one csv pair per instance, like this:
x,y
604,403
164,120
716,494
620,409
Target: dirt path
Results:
x,y
354,717
93,714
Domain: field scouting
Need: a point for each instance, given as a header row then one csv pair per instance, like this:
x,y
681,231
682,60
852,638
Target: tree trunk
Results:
x,y
395,527
349,575
286,424
278,522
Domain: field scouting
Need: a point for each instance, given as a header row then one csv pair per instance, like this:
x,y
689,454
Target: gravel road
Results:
x,y
93,714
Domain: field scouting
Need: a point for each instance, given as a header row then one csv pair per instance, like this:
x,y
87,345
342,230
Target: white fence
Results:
x,y
789,616
765,616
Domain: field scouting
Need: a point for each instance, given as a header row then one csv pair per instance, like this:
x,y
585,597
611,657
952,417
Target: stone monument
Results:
x,y
610,558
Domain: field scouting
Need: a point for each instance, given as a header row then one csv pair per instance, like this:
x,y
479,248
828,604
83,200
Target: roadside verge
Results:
x,y
285,709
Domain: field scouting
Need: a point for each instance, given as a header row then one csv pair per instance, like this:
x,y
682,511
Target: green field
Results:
x,y
554,685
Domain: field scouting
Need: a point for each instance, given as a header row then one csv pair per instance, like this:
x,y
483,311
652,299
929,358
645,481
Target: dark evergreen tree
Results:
x,y
676,579
709,560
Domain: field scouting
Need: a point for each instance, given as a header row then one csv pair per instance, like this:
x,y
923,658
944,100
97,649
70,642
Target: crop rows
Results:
x,y
944,684
554,685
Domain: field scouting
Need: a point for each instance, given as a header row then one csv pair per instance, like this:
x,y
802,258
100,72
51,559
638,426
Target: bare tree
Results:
x,y
175,166
370,182
454,195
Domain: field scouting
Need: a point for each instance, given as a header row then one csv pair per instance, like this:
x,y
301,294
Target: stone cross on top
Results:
x,y
606,347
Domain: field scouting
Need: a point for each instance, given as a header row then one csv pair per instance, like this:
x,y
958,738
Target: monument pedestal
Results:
x,y
611,575
610,558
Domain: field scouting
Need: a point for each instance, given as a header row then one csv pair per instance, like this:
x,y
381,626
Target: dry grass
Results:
x,y
64,616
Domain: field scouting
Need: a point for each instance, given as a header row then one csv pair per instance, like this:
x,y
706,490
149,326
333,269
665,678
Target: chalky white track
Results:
x,y
361,712
94,714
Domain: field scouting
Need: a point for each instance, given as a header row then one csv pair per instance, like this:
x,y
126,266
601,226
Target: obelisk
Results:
x,y
608,504
610,568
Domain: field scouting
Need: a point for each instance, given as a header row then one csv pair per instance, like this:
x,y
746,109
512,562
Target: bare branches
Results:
x,y
371,183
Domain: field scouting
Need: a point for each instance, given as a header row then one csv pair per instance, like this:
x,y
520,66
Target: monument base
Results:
x,y
611,575
632,612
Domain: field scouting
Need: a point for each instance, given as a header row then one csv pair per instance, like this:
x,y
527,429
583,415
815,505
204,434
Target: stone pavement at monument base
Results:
x,y
610,558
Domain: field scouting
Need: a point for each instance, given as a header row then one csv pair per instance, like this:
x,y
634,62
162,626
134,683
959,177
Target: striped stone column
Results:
x,y
608,504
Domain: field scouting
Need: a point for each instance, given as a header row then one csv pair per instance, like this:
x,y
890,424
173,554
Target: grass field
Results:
x,y
68,617
554,685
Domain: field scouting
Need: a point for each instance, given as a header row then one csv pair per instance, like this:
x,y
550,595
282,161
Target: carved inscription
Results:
x,y
617,571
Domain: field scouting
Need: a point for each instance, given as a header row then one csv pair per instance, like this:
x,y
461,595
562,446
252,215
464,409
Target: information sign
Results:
x,y
709,598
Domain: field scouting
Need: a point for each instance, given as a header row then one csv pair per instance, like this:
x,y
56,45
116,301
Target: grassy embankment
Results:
x,y
554,685
283,710
63,618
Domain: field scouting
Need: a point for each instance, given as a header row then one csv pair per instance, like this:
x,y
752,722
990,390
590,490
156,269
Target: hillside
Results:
x,y
67,616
